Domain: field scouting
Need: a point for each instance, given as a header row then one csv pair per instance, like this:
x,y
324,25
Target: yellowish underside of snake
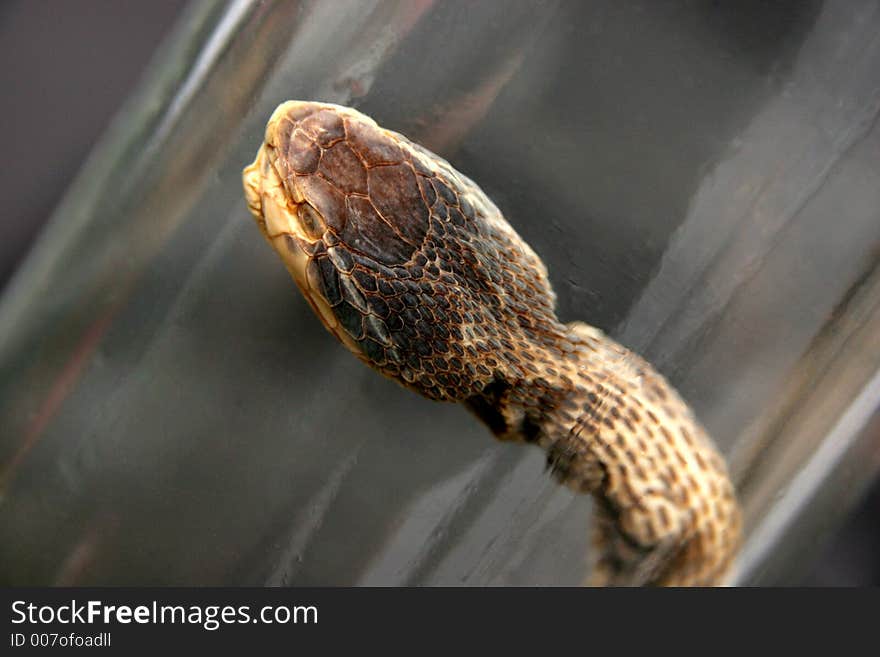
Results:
x,y
417,272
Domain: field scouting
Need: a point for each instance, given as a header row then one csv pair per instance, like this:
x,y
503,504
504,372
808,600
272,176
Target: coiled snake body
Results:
x,y
411,266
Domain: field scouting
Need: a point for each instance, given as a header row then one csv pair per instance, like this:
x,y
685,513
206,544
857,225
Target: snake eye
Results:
x,y
310,220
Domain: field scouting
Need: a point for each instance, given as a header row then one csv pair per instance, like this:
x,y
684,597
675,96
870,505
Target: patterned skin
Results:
x,y
411,266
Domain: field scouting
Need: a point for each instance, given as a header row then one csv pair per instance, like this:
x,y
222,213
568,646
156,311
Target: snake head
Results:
x,y
413,268
404,260
326,172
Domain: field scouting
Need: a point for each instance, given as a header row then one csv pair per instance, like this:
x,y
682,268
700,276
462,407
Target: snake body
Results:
x,y
409,264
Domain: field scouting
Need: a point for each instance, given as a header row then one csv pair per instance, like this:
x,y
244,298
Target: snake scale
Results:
x,y
409,264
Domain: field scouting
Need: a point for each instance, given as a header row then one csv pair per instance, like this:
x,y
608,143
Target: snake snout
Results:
x,y
252,180
352,177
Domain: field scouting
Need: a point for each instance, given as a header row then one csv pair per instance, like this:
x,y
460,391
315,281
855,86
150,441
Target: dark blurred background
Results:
x,y
66,68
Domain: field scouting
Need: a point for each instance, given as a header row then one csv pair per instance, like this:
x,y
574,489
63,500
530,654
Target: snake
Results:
x,y
410,265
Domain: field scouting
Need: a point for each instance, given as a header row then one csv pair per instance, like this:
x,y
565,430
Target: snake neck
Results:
x,y
613,427
569,372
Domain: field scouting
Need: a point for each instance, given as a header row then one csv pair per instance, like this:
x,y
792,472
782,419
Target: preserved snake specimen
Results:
x,y
411,266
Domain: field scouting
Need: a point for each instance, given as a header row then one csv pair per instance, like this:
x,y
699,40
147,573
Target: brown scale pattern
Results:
x,y
417,272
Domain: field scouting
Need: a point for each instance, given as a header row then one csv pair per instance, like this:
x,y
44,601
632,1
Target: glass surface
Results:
x,y
700,178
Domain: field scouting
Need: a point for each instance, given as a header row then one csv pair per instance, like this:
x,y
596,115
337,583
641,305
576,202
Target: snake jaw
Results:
x,y
280,224
268,201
